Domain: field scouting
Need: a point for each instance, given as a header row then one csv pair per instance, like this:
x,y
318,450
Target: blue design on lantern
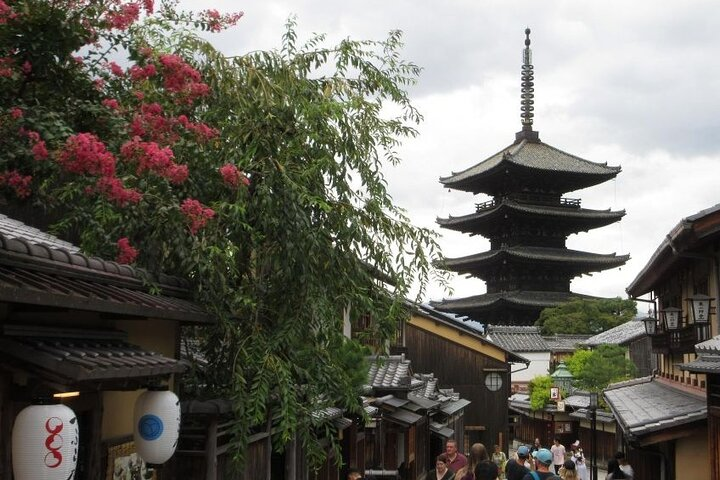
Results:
x,y
150,427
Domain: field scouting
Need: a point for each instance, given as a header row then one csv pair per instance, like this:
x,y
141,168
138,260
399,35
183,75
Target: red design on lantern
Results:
x,y
53,442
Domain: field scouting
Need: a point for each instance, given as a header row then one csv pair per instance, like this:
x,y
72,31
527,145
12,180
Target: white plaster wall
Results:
x,y
539,365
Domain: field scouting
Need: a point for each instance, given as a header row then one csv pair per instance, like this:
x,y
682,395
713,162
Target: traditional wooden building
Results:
x,y
88,333
527,221
464,360
412,417
670,420
544,352
632,336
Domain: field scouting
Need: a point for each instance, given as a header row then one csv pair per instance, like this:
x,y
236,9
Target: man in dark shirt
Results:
x,y
515,469
543,460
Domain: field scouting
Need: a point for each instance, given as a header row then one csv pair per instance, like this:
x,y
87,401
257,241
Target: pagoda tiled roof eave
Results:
x,y
581,214
537,254
535,156
490,301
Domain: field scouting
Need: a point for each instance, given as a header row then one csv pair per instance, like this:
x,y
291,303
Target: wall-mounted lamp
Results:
x,y
651,325
671,318
700,307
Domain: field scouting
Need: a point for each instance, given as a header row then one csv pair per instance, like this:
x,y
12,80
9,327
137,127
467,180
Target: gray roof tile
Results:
x,y
541,254
489,301
705,363
709,346
529,339
646,405
534,155
620,335
81,356
12,228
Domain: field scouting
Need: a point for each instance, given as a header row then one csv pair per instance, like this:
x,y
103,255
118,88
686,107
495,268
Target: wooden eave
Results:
x,y
689,235
568,219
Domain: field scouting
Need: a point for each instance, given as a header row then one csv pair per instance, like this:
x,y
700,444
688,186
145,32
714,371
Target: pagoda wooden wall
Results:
x,y
464,370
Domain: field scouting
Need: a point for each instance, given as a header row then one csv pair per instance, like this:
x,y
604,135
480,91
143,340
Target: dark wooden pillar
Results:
x,y
7,412
211,449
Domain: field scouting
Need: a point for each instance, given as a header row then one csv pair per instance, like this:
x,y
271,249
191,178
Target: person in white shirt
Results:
x,y
558,453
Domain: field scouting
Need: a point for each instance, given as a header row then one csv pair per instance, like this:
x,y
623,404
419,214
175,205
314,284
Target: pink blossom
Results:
x,y
6,67
78,59
138,73
149,6
19,183
111,103
182,79
84,153
6,13
196,213
177,174
232,176
26,67
126,253
116,69
114,190
16,113
124,16
151,157
217,22
39,151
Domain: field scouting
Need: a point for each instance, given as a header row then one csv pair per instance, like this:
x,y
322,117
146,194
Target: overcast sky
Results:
x,y
633,84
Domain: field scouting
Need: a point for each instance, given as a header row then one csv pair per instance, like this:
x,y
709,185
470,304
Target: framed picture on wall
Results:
x,y
123,462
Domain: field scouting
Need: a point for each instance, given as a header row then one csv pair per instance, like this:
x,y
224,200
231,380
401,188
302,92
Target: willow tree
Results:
x,y
258,177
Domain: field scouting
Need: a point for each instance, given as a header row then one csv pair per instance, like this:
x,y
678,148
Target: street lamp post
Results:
x,y
593,430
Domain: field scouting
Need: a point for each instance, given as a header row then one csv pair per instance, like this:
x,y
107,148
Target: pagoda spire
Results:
x,y
527,96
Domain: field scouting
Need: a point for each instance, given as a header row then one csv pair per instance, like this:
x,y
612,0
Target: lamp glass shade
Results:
x,y
672,318
593,401
157,426
45,443
650,325
701,308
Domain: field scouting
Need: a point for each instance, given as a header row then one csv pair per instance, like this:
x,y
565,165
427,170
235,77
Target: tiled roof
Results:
x,y
623,334
582,217
78,356
490,301
390,371
529,339
708,360
705,363
582,260
11,228
535,156
518,339
461,323
40,274
646,405
565,342
709,346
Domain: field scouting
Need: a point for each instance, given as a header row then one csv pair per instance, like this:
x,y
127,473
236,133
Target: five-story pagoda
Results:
x,y
528,266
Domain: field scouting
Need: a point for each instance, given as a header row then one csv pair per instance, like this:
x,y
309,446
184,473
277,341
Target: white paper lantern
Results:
x,y
45,443
157,426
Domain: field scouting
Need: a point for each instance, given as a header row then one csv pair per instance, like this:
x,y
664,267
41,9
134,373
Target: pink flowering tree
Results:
x,y
258,177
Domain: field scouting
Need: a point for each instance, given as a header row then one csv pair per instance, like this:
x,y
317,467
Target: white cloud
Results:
x,y
628,83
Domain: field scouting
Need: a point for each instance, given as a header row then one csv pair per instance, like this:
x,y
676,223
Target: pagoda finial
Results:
x,y
527,95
